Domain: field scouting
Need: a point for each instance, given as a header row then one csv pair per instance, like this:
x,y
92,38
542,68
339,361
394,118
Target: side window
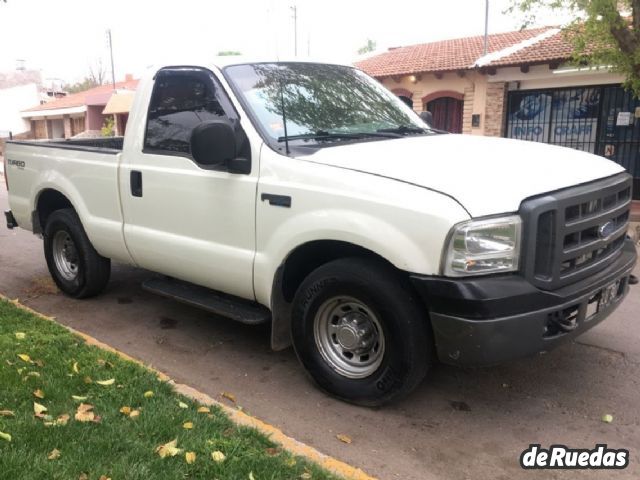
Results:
x,y
181,100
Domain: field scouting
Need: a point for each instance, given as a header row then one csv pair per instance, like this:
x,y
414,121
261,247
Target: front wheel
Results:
x,y
360,333
75,266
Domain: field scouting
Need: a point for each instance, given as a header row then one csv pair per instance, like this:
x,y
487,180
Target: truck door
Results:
x,y
182,219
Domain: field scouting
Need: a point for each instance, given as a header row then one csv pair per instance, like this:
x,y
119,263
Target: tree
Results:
x,y
96,76
228,53
603,32
370,46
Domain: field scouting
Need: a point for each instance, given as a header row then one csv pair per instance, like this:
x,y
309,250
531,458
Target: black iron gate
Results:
x,y
604,120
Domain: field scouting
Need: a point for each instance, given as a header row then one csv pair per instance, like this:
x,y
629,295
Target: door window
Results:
x,y
181,100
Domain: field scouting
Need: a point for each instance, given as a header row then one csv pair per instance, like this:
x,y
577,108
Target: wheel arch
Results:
x,y
295,267
47,201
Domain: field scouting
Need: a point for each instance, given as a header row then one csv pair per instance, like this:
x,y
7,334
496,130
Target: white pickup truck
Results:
x,y
306,195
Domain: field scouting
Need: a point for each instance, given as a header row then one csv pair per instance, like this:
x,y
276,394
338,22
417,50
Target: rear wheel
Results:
x,y
360,333
75,266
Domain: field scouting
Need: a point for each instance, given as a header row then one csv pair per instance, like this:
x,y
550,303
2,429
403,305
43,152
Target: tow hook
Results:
x,y
633,280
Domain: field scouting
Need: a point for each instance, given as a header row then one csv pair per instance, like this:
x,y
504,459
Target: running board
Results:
x,y
238,309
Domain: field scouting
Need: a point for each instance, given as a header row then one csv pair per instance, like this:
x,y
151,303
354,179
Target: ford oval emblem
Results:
x,y
606,230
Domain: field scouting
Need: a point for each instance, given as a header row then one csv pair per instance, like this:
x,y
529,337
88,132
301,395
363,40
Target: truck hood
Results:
x,y
487,175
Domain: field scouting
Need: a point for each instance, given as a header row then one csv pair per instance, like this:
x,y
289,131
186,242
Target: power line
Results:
x,y
294,8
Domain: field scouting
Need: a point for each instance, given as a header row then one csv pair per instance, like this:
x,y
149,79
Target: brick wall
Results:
x,y
495,109
468,109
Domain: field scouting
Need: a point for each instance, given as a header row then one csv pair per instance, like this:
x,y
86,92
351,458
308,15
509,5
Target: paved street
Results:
x,y
459,424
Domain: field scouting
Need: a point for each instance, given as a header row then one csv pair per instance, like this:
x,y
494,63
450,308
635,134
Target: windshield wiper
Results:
x,y
323,134
403,130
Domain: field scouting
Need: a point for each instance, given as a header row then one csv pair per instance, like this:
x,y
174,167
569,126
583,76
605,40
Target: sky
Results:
x,y
63,38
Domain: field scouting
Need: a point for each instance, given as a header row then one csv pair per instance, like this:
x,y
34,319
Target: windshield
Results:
x,y
322,103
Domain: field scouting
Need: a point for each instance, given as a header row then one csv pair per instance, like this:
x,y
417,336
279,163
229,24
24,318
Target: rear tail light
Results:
x,y
6,180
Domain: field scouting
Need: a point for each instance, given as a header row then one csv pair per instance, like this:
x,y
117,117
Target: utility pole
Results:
x,y
113,72
294,8
486,27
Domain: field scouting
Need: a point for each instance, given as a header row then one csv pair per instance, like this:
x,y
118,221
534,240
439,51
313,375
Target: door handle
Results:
x,y
136,183
277,200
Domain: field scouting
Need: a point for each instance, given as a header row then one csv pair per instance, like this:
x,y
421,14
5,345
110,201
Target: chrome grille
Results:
x,y
575,232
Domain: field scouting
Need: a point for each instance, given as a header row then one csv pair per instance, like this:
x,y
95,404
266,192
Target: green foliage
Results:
x,y
108,128
370,46
228,53
60,364
604,32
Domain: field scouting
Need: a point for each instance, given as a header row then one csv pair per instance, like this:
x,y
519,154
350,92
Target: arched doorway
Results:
x,y
446,108
404,95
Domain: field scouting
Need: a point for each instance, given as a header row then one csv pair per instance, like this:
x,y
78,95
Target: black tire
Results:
x,y
92,269
408,343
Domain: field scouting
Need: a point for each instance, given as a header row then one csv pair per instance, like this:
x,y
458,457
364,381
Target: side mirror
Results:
x,y
427,117
214,143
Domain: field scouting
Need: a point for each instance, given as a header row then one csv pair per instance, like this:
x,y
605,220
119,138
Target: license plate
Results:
x,y
604,298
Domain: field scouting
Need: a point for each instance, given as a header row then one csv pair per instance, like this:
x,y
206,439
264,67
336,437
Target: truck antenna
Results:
x,y
284,114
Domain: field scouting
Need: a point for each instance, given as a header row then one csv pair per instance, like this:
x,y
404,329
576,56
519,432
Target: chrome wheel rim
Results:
x,y
65,255
349,337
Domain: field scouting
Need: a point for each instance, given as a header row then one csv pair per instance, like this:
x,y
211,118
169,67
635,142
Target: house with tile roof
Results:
x,y
83,113
523,87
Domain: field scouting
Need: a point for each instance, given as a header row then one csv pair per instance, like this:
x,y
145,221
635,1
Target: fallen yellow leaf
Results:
x,y
190,457
38,409
187,425
291,462
134,414
305,476
20,335
106,383
607,418
83,476
87,379
78,398
251,477
169,449
218,456
85,413
105,363
33,374
204,410
344,438
5,436
39,363
7,413
75,367
148,394
104,477
62,420
54,454
229,396
38,393
125,410
24,357
183,405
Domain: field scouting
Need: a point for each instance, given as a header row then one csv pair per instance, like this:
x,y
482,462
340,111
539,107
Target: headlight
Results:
x,y
486,246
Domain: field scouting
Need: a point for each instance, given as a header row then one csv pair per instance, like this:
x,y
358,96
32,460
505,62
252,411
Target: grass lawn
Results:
x,y
89,437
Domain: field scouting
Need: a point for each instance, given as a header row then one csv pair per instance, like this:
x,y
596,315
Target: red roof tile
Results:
x,y
554,48
80,98
442,56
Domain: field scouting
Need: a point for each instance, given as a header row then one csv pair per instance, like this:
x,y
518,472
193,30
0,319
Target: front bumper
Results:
x,y
485,321
11,222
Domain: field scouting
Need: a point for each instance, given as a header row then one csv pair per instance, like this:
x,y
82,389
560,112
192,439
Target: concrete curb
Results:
x,y
275,434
